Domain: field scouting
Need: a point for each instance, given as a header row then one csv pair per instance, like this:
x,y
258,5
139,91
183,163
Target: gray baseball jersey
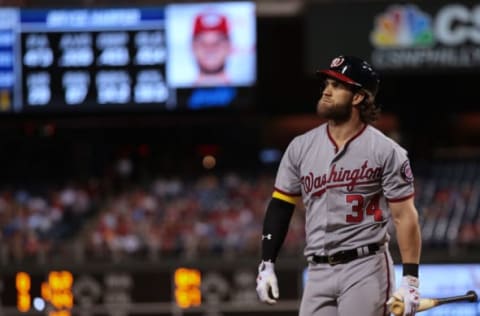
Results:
x,y
345,190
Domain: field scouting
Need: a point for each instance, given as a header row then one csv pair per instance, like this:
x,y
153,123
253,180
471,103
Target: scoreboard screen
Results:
x,y
8,62
153,291
116,59
93,58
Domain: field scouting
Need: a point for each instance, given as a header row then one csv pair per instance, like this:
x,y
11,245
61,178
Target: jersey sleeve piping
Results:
x,y
400,199
289,198
287,193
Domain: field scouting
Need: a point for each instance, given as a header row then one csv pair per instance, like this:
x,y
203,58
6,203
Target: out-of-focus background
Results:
x,y
129,188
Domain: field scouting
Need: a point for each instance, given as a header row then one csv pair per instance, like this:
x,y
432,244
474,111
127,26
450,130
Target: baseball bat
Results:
x,y
427,303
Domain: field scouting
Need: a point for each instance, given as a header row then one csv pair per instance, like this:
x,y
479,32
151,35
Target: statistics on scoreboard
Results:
x,y
91,58
126,59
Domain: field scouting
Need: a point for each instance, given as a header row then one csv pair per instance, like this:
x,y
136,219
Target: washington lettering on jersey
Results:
x,y
340,177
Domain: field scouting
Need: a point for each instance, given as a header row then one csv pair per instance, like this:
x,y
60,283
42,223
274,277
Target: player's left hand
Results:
x,y
408,293
266,281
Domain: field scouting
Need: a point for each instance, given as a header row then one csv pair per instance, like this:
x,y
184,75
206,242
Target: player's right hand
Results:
x,y
266,282
408,293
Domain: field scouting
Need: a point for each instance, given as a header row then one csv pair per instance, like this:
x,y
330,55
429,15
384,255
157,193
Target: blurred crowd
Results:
x,y
217,215
212,214
35,223
449,200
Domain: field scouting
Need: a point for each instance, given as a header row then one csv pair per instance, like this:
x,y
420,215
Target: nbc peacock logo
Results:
x,y
402,27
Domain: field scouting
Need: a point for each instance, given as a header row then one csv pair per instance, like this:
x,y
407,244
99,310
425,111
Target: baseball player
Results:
x,y
211,47
352,180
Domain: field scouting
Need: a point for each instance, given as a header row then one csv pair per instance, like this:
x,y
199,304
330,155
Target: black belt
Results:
x,y
346,255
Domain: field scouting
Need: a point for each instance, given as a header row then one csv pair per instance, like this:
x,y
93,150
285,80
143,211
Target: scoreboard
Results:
x,y
113,59
176,291
93,58
8,63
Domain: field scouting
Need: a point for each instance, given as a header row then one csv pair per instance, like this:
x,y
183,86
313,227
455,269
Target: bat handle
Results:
x,y
396,308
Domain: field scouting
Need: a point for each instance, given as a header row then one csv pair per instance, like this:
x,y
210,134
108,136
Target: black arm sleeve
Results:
x,y
275,227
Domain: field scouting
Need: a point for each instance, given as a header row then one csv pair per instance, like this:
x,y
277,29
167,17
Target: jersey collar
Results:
x,y
348,141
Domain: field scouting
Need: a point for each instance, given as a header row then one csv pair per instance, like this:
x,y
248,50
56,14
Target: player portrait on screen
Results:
x,y
211,48
210,45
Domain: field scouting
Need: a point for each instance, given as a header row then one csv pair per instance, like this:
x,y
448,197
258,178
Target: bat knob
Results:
x,y
396,308
473,296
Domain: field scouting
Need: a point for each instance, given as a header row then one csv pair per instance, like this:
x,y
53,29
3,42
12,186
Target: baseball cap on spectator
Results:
x,y
210,22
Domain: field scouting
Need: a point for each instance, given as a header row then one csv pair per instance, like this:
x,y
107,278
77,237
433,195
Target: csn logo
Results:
x,y
408,26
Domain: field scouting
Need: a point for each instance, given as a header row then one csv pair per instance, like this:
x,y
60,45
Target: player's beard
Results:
x,y
339,112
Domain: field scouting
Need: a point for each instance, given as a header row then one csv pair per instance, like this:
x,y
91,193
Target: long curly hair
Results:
x,y
368,110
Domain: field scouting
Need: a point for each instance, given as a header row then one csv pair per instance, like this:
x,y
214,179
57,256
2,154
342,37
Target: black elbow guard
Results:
x,y
275,228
